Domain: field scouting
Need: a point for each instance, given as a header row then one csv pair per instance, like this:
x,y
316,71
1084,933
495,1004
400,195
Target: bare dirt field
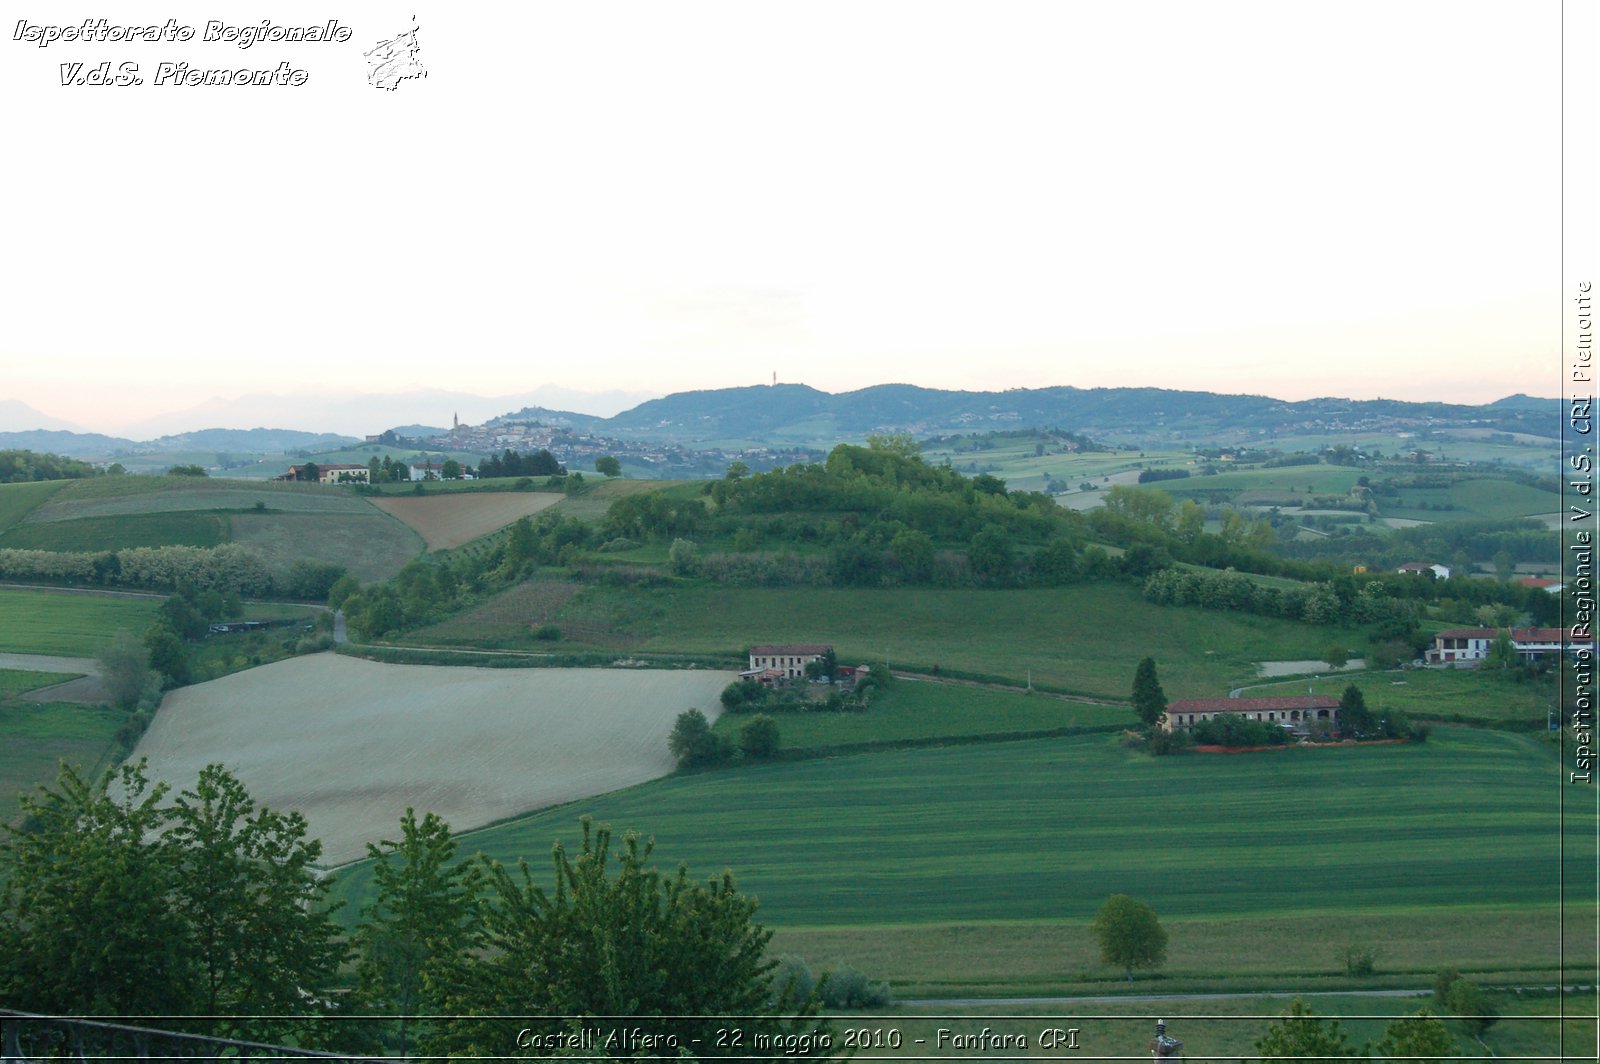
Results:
x,y
352,743
446,521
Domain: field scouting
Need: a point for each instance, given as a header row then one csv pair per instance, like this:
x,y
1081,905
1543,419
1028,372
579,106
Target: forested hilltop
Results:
x,y
880,516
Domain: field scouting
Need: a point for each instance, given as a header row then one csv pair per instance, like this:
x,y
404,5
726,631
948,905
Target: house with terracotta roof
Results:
x,y
788,659
1418,568
1296,712
1455,646
1552,586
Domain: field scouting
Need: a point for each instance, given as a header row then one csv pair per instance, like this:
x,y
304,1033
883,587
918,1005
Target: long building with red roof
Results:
x,y
1298,712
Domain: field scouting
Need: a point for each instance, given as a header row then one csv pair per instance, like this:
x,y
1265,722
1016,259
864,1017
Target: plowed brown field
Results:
x,y
450,520
352,743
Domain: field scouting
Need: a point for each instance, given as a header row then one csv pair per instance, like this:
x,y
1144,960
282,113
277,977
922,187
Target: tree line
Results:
x,y
19,466
205,909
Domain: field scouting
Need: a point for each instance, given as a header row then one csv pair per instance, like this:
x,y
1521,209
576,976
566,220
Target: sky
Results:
x,y
1279,198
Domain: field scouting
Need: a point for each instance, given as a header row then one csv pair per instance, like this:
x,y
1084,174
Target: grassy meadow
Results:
x,y
16,500
1476,695
894,851
15,681
1083,640
54,622
184,528
371,545
915,710
1471,500
35,737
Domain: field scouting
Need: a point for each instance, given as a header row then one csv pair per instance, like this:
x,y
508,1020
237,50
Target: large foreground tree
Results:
x,y
86,924
114,901
424,917
605,952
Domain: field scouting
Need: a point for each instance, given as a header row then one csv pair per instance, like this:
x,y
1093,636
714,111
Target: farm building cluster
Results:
x,y
1456,646
772,664
1297,713
362,474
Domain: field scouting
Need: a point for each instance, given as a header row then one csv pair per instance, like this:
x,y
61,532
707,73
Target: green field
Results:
x,y
16,500
372,545
51,622
35,737
593,503
902,847
1472,500
1084,639
1014,461
1478,696
920,709
183,528
116,496
16,681
1286,483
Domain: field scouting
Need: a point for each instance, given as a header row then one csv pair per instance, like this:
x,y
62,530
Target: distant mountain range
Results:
x,y
245,441
796,414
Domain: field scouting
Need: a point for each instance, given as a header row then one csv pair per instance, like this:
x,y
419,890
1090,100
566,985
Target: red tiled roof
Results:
x,y
1249,705
1536,581
1518,635
791,648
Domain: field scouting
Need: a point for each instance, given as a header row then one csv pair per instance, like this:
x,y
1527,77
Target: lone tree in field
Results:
x,y
1336,656
608,465
1149,701
1129,934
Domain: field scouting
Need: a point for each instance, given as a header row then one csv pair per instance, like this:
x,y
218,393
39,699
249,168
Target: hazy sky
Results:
x,y
1286,198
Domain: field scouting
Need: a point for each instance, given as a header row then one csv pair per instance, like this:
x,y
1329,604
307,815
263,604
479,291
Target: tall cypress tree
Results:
x,y
1149,701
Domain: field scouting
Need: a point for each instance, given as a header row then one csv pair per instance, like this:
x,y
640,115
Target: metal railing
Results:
x,y
29,1038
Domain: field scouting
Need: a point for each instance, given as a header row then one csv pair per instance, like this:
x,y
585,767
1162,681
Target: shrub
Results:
x,y
1442,982
547,632
693,744
1360,961
792,982
1162,743
847,988
683,557
758,739
1234,729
